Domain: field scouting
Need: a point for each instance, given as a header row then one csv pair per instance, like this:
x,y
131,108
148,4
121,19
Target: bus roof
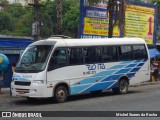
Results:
x,y
90,42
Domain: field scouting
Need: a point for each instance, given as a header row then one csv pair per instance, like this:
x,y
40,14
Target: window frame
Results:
x,y
119,46
50,69
101,47
146,57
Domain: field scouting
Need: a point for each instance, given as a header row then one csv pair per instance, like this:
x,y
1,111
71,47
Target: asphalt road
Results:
x,y
141,98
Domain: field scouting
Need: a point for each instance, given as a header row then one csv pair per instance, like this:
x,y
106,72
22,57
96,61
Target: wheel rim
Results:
x,y
123,86
61,95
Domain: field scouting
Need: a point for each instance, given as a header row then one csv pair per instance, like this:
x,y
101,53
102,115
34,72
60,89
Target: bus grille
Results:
x,y
22,83
22,91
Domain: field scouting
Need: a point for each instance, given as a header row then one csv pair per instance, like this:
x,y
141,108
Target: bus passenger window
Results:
x,y
109,54
125,52
140,52
58,59
92,55
75,56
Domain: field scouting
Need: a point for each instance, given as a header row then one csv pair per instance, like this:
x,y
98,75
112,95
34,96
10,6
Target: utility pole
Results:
x,y
111,10
36,23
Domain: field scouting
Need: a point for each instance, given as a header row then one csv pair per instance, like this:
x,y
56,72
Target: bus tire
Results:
x,y
123,87
60,94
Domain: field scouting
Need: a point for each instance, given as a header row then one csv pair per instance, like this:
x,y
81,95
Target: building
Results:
x,y
12,47
23,2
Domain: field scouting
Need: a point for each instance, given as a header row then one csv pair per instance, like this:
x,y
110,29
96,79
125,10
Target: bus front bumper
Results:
x,y
34,90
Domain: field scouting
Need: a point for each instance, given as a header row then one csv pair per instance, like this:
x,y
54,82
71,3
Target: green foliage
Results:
x,y
155,1
70,22
6,22
17,20
16,10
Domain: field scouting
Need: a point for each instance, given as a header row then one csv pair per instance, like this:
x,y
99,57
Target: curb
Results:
x,y
145,83
5,92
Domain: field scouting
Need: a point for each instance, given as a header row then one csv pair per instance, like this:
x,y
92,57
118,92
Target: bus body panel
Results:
x,y
23,85
83,80
87,77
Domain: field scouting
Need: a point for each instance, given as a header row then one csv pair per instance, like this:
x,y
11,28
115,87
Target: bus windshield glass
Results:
x,y
34,59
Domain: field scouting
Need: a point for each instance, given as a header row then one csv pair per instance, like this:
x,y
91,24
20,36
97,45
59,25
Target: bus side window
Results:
x,y
109,54
58,59
75,56
125,52
140,52
92,55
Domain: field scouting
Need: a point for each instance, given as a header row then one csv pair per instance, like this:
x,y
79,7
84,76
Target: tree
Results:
x,y
16,10
23,25
17,20
71,21
6,23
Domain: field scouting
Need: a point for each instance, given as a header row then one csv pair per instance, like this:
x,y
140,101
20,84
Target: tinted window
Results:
x,y
139,52
109,53
58,59
92,55
34,59
75,56
125,52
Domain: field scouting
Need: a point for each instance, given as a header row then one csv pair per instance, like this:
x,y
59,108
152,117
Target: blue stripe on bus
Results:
x,y
138,61
90,80
140,64
99,86
117,67
135,69
131,65
78,88
107,72
130,75
144,60
122,71
111,77
107,78
126,62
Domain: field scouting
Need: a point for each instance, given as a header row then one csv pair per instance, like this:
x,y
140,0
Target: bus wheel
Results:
x,y
123,87
60,94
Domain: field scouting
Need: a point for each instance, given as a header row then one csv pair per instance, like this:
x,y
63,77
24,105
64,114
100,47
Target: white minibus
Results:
x,y
61,67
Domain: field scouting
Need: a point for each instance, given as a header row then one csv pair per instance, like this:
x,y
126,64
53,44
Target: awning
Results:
x,y
154,53
15,42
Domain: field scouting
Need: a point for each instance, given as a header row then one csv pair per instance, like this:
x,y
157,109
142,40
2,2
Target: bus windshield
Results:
x,y
34,59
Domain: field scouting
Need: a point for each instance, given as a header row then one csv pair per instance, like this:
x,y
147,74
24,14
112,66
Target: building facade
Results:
x,y
23,2
12,47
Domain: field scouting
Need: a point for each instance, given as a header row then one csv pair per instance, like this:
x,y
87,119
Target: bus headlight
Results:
x,y
38,82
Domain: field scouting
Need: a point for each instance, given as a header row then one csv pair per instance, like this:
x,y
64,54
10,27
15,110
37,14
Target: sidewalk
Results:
x,y
146,83
5,92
